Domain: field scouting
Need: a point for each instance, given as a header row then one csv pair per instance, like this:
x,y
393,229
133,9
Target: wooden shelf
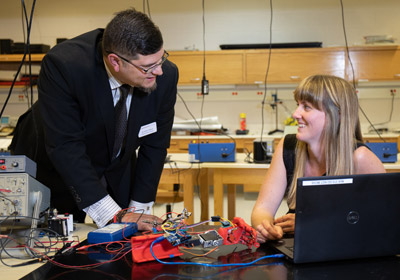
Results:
x,y
221,67
18,57
380,63
293,65
287,66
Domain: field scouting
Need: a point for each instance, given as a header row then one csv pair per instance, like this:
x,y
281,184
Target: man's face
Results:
x,y
143,71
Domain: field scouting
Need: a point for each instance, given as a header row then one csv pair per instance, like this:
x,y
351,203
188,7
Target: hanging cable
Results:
x,y
266,76
25,91
204,81
352,71
26,51
146,2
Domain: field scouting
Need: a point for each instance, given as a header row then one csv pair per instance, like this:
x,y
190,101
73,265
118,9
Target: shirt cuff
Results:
x,y
139,207
102,211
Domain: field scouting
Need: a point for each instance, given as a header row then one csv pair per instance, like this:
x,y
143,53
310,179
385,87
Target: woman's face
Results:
x,y
311,122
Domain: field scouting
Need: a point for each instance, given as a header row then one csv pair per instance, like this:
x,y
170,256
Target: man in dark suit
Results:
x,y
70,131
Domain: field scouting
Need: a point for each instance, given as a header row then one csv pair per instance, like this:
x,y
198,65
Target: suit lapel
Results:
x,y
104,99
136,112
106,107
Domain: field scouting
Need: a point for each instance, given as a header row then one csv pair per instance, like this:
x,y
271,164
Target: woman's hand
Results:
x,y
268,231
286,222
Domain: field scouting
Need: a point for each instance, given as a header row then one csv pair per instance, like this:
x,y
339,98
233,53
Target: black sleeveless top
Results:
x,y
289,158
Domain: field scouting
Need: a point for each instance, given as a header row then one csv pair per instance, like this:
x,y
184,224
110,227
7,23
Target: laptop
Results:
x,y
345,217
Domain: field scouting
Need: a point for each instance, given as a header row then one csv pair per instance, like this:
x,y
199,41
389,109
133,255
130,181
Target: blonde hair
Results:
x,y
337,98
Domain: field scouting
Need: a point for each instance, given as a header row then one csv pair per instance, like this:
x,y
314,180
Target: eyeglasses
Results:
x,y
151,68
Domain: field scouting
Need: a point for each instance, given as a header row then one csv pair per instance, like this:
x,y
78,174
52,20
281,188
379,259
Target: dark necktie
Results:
x,y
121,119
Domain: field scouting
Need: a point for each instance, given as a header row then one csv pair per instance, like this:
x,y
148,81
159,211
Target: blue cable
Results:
x,y
161,238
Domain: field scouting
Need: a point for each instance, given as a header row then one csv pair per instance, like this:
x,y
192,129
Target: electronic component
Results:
x,y
112,232
17,164
263,151
386,152
204,86
20,193
177,240
212,152
211,238
193,242
225,223
61,224
215,218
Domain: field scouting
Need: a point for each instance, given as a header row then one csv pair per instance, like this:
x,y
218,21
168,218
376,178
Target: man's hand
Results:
x,y
286,222
268,231
145,222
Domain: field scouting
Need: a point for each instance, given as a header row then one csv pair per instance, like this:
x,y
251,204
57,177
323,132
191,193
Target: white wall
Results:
x,y
226,22
376,102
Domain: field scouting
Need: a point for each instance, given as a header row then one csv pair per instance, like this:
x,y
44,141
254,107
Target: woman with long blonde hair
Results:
x,y
328,142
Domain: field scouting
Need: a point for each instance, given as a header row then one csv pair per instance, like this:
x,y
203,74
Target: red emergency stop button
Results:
x,y
3,167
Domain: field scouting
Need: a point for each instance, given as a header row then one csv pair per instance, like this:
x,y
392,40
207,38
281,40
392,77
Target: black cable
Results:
x,y
179,170
266,75
25,245
25,91
188,110
204,82
352,70
204,65
29,25
204,39
148,7
248,158
141,214
28,47
390,114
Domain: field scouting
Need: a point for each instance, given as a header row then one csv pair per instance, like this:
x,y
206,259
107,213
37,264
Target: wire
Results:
x,y
266,74
203,81
25,91
204,39
390,114
187,250
353,73
35,255
146,2
26,51
161,238
188,110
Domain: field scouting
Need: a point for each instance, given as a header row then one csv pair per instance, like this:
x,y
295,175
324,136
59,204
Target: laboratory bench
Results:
x,y
269,268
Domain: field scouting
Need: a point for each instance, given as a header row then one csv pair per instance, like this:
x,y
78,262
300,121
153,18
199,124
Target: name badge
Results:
x,y
148,129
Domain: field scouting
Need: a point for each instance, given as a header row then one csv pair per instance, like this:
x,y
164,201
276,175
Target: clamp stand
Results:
x,y
274,106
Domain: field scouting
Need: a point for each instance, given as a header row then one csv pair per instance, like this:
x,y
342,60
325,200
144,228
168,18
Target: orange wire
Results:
x,y
198,255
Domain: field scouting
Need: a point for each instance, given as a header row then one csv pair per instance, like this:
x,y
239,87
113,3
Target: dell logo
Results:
x,y
353,217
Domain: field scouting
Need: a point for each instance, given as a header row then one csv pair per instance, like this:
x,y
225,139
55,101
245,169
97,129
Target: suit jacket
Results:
x,y
69,132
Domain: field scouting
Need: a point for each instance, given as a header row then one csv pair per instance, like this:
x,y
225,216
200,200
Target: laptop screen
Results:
x,y
344,217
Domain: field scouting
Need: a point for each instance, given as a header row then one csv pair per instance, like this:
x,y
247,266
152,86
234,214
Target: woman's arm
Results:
x,y
365,161
270,197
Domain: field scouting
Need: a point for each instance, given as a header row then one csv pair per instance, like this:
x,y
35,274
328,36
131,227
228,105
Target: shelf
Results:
x,y
18,57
